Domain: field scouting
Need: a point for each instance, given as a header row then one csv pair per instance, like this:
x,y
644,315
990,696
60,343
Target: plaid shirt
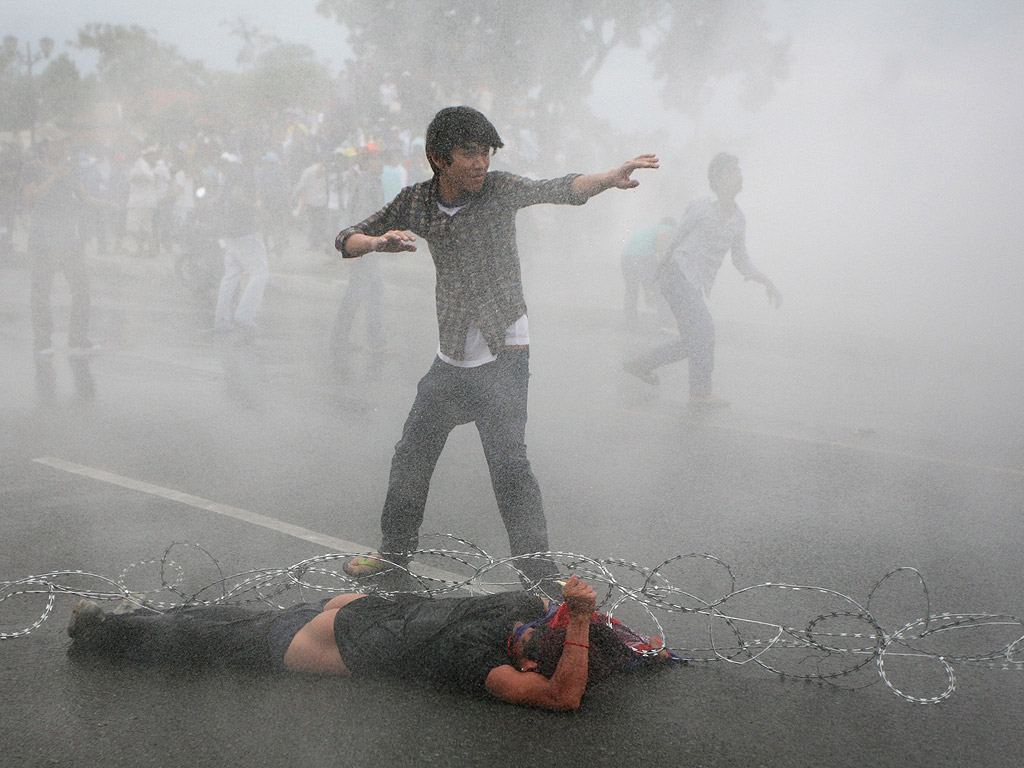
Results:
x,y
478,278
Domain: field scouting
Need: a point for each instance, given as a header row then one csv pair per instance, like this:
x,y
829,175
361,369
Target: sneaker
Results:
x,y
708,401
85,613
635,368
84,349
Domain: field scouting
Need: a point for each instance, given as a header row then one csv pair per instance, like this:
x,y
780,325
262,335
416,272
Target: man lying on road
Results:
x,y
513,645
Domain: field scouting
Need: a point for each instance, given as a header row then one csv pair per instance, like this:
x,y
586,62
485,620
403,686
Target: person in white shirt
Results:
x,y
710,228
141,205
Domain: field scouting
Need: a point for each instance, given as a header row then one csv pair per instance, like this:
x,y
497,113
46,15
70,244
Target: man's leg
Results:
x,y
228,285
219,635
375,305
701,342
43,269
252,254
75,272
501,422
631,295
436,411
317,226
46,380
355,295
696,332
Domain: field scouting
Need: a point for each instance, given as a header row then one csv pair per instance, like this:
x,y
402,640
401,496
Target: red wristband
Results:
x,y
569,642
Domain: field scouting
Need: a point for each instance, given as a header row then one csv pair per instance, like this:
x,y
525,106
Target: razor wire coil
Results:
x,y
824,654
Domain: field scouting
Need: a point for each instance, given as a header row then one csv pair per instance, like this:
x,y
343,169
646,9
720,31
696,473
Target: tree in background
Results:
x,y
165,94
53,92
133,64
701,43
278,74
536,60
62,92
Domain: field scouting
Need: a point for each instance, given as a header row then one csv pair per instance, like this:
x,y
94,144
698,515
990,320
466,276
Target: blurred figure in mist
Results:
x,y
272,188
140,213
10,197
711,226
365,277
183,196
163,214
318,192
640,258
55,195
95,223
245,254
394,176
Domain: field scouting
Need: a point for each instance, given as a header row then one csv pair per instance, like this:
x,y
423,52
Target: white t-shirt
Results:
x,y
476,352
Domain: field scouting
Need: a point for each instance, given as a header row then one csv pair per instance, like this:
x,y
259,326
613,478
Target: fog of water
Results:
x,y
876,418
882,193
882,184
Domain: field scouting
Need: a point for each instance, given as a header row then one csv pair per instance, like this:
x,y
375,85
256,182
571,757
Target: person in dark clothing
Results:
x,y
711,227
245,252
55,194
365,278
471,644
467,216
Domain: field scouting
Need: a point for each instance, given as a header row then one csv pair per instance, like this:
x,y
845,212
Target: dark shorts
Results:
x,y
370,632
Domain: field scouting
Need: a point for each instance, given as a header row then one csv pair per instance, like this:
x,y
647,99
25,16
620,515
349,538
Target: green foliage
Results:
x,y
284,75
60,90
133,63
525,61
713,41
543,55
56,92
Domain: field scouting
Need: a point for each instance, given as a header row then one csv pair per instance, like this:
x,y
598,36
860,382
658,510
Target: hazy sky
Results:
x,y
199,28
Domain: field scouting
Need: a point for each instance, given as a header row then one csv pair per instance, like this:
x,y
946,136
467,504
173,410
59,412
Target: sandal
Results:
x,y
367,565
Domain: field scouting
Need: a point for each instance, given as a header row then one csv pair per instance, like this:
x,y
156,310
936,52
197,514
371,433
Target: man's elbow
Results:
x,y
566,700
339,245
569,705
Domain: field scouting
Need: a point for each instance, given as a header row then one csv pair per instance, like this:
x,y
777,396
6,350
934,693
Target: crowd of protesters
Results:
x,y
246,188
293,182
304,163
305,183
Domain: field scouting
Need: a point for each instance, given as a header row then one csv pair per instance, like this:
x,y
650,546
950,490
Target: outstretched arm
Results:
x,y
741,260
592,184
395,241
564,690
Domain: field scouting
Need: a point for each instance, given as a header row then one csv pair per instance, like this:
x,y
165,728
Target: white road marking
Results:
x,y
855,447
331,543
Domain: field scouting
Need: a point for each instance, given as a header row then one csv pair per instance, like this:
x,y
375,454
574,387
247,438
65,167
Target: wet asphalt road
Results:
x,y
832,467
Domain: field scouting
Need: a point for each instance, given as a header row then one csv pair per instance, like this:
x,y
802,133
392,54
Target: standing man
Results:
x,y
366,279
140,221
643,253
244,251
54,194
467,216
710,228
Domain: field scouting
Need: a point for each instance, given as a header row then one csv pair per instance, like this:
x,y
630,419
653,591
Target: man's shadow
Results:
x,y
81,374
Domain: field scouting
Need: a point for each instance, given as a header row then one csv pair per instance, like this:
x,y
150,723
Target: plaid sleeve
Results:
x,y
523,191
395,215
